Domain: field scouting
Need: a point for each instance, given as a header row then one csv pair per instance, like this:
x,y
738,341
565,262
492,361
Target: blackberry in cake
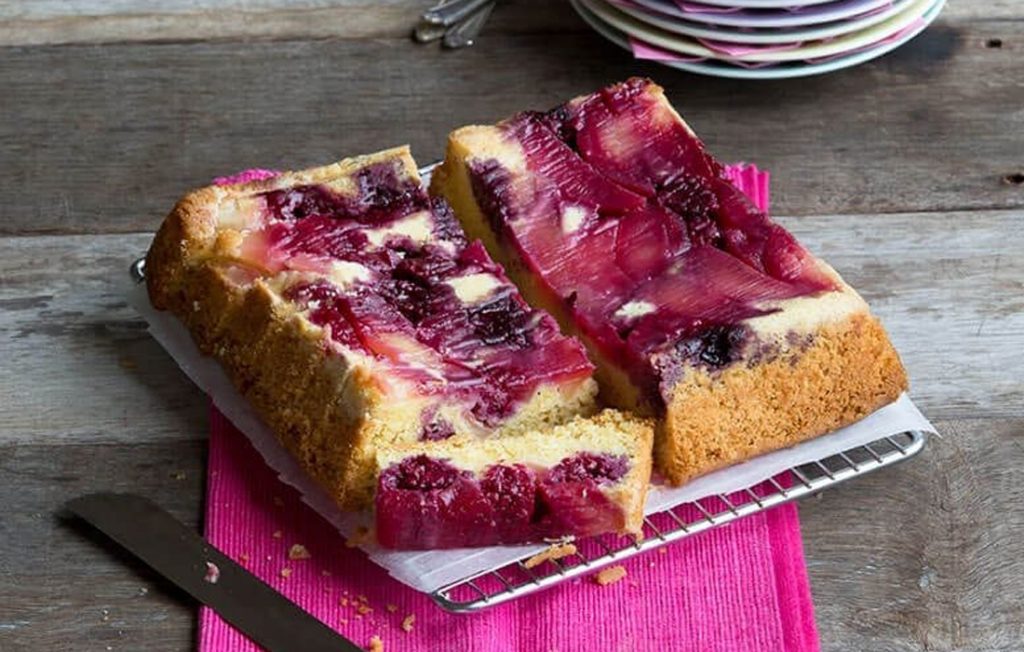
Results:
x,y
350,310
695,306
586,477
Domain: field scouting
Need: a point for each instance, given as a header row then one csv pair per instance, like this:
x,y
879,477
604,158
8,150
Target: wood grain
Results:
x,y
934,126
927,555
78,363
48,22
64,582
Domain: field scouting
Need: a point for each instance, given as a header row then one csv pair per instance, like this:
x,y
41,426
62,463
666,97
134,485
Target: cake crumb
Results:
x,y
662,551
298,551
276,534
552,552
363,609
361,536
212,573
325,573
376,645
407,623
610,575
362,598
286,572
243,557
278,502
392,608
178,475
343,602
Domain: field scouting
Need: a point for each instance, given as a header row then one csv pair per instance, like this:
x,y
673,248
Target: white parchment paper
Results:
x,y
428,571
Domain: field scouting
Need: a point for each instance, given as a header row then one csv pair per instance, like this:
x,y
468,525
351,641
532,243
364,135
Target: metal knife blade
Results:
x,y
185,558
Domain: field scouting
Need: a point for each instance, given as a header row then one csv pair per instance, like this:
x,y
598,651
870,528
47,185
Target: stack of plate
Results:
x,y
759,39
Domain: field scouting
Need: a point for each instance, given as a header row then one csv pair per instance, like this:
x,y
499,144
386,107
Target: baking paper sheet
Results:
x,y
428,571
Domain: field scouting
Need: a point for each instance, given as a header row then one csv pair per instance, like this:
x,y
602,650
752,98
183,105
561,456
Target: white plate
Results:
x,y
763,36
812,16
784,71
814,50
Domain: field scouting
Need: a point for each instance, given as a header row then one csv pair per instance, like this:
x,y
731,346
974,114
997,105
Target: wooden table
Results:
x,y
906,173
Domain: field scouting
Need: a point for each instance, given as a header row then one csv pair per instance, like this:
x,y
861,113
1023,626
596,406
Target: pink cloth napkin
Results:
x,y
742,587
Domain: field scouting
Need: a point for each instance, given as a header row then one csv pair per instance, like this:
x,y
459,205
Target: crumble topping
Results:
x,y
610,575
552,552
298,551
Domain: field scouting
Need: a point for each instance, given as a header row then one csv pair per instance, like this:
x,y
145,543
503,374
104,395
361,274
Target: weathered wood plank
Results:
x,y
79,365
106,138
950,289
50,22
47,22
77,362
926,555
64,582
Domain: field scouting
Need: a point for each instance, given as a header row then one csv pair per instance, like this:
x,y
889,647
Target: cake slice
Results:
x,y
695,306
586,477
349,309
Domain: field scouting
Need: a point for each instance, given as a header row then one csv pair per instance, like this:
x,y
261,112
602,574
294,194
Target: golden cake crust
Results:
x,y
328,412
317,407
849,370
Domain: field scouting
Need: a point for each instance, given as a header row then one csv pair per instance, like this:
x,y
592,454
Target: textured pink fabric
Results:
x,y
742,587
739,587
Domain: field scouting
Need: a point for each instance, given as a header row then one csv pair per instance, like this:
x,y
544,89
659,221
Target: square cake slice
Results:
x,y
350,310
588,476
694,305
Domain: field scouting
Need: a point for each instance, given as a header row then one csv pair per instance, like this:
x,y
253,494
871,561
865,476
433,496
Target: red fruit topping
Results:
x,y
322,300
595,467
383,193
661,249
393,298
511,490
575,508
427,503
423,473
423,502
576,180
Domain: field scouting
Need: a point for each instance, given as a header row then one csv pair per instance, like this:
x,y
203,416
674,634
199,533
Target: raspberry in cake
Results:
x,y
695,306
351,311
588,476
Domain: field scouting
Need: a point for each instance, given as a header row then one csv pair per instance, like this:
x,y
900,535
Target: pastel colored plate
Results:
x,y
778,71
814,15
691,47
762,36
762,4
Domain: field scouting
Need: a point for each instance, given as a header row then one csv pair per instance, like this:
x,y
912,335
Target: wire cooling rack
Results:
x,y
515,580
499,585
